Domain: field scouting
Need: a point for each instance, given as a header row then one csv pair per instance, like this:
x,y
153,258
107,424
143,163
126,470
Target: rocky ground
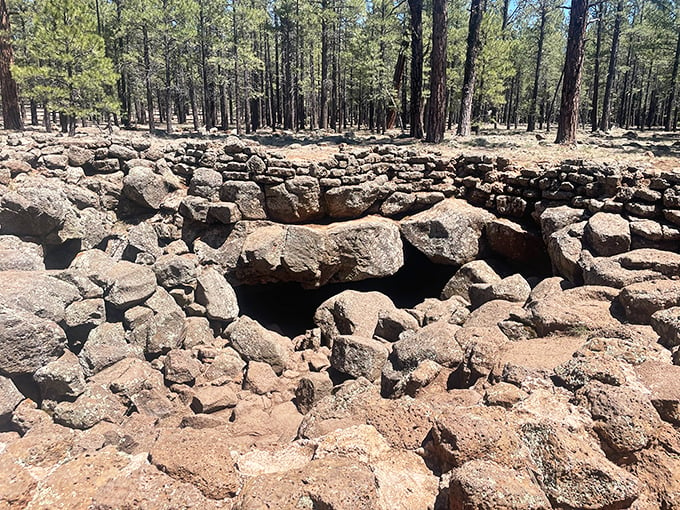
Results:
x,y
130,378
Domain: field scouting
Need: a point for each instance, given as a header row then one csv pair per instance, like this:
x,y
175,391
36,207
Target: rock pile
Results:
x,y
130,378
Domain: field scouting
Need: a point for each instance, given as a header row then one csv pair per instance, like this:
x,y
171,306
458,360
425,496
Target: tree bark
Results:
x,y
323,116
596,72
11,113
470,75
573,67
607,98
416,9
436,114
531,121
668,125
147,79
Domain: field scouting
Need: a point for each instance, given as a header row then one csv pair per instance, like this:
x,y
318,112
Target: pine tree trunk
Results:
x,y
470,75
436,123
11,113
168,94
607,99
531,121
573,66
416,9
669,124
596,72
323,116
147,79
192,102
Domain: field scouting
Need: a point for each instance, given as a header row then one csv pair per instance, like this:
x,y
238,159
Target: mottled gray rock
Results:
x,y
180,367
79,156
553,219
436,342
448,233
94,405
607,234
105,346
666,323
358,356
61,379
195,208
311,388
218,297
205,183
254,342
641,300
351,201
35,211
38,293
248,196
175,270
295,201
10,397
516,242
145,187
196,332
477,271
18,255
224,212
27,342
564,248
128,284
513,288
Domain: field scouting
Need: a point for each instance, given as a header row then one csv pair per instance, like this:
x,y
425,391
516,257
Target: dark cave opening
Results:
x,y
289,308
60,256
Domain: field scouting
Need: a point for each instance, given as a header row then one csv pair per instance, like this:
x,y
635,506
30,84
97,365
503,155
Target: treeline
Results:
x,y
422,65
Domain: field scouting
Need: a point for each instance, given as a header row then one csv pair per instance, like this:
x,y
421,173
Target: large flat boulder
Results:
x,y
451,232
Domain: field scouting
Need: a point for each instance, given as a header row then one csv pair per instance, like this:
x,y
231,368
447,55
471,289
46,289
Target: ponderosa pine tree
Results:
x,y
436,123
11,113
67,69
470,78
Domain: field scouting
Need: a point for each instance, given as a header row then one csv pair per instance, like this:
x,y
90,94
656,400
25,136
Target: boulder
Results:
x,y
94,405
156,327
553,219
513,288
105,346
218,297
436,342
358,356
311,389
18,255
607,234
144,187
128,284
564,249
205,183
248,196
180,367
351,201
641,300
175,271
666,323
260,378
10,397
61,379
487,485
296,200
209,399
27,342
477,271
516,242
663,383
631,267
448,233
36,210
37,293
255,343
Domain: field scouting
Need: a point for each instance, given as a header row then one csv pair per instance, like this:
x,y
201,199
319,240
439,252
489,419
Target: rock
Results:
x,y
255,343
79,156
227,365
448,233
477,271
486,485
195,208
61,379
95,404
128,284
37,293
453,310
357,356
18,484
260,378
635,266
513,288
142,240
248,196
121,152
564,248
156,327
663,382
573,473
641,300
224,212
17,255
516,242
434,342
583,368
10,397
218,297
144,187
34,211
311,389
175,271
352,313
180,367
581,309
256,165
205,183
393,323
81,317
297,200
209,399
105,346
351,201
553,219
199,457
196,332
666,323
607,234
503,394
27,342
128,378
624,418
332,483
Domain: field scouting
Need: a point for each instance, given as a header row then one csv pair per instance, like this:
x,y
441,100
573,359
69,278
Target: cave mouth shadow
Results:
x,y
289,308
